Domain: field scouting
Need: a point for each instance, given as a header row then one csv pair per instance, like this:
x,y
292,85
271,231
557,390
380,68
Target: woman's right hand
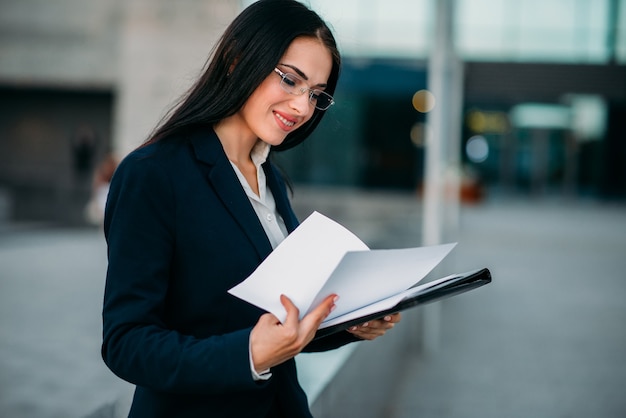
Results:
x,y
272,342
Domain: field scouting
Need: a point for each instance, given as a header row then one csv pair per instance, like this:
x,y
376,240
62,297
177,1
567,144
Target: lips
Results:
x,y
287,123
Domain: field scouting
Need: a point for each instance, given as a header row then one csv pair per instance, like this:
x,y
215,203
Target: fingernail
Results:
x,y
335,299
387,318
366,324
353,329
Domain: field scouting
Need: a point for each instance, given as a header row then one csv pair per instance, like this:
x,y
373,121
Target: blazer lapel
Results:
x,y
208,150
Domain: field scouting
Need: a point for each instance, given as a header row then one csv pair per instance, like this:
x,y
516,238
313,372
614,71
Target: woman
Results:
x,y
195,210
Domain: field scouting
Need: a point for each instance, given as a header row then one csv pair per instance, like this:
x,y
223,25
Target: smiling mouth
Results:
x,y
286,122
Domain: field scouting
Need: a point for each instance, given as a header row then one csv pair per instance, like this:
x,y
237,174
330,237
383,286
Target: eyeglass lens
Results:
x,y
318,98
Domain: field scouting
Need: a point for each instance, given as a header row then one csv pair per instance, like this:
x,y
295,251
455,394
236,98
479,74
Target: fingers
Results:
x,y
311,322
393,318
324,309
369,331
305,329
376,328
387,322
293,313
272,343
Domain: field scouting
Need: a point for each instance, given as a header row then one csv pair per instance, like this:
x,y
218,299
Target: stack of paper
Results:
x,y
321,257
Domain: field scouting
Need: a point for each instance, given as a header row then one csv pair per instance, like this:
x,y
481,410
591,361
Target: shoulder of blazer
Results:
x,y
206,146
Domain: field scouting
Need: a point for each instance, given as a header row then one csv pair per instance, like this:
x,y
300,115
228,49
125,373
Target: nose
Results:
x,y
300,103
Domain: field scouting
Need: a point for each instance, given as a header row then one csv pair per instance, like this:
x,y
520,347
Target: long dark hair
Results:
x,y
246,54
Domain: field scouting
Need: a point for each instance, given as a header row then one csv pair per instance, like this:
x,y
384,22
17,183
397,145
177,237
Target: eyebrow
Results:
x,y
301,74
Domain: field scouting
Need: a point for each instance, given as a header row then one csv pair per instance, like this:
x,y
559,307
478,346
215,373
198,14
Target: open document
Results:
x,y
321,257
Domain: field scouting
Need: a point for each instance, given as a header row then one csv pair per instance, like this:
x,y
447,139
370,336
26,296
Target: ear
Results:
x,y
232,66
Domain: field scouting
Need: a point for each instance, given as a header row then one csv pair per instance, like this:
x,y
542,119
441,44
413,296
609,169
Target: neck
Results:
x,y
236,142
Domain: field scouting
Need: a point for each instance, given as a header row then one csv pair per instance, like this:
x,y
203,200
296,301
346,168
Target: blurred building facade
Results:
x,y
544,94
82,79
544,97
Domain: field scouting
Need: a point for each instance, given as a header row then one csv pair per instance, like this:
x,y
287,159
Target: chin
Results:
x,y
275,141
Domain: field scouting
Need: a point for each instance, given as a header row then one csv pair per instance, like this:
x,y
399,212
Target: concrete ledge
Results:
x,y
356,380
364,384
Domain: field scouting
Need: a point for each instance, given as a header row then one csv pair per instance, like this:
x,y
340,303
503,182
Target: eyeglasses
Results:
x,y
293,84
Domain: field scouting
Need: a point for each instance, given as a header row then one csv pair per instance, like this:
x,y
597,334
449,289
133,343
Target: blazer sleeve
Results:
x,y
331,342
138,345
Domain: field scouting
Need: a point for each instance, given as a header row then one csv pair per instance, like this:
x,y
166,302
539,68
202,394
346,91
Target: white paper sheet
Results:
x,y
322,257
384,304
365,277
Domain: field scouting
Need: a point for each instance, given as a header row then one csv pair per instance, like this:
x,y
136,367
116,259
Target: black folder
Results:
x,y
456,284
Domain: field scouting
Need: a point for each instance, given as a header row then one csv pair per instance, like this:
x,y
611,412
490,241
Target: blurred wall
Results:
x,y
58,69
50,142
59,43
164,47
82,78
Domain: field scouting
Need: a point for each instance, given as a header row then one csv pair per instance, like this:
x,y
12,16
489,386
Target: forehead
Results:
x,y
311,57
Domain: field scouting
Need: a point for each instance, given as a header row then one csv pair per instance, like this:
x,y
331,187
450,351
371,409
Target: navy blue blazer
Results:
x,y
181,232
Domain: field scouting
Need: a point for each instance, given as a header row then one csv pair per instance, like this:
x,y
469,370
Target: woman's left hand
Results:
x,y
375,328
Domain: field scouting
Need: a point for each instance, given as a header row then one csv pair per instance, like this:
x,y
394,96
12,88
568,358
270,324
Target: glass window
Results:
x,y
487,30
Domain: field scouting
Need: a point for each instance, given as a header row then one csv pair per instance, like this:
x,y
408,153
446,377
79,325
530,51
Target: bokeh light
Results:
x,y
424,101
477,149
420,134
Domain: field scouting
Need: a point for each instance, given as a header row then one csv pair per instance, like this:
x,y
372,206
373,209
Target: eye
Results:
x,y
290,80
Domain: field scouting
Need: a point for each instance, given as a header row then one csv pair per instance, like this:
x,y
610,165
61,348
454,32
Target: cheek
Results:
x,y
267,93
309,116
255,110
305,121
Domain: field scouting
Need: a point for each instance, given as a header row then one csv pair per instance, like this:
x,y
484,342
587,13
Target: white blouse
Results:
x,y
263,203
